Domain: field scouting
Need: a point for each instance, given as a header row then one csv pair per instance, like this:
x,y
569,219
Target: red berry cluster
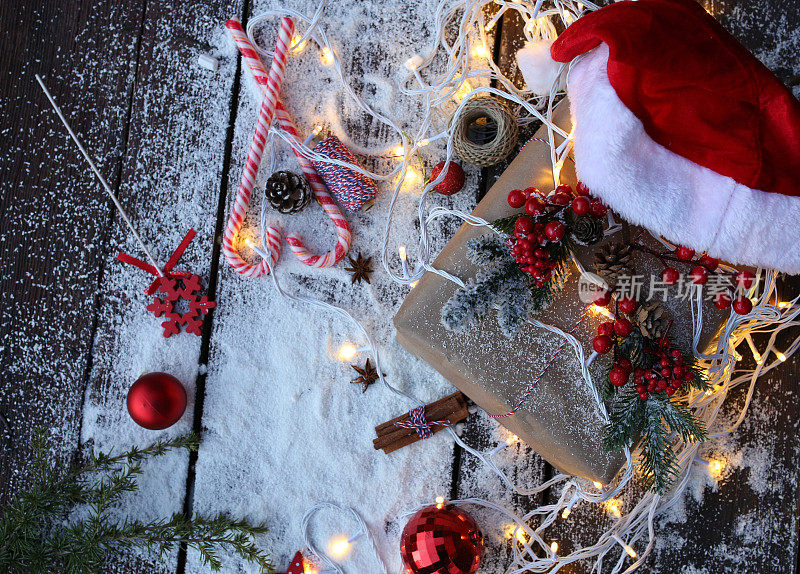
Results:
x,y
531,247
667,375
699,276
542,227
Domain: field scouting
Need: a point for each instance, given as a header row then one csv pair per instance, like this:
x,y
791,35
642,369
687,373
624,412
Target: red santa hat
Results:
x,y
680,129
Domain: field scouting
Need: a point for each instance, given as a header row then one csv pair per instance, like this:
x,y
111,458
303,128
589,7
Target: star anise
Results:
x,y
361,267
368,375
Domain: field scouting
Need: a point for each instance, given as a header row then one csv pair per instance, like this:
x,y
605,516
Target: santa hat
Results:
x,y
680,129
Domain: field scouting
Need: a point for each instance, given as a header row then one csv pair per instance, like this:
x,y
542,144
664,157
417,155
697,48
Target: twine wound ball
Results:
x,y
486,131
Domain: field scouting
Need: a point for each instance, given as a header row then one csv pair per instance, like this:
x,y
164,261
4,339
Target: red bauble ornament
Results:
x,y
606,329
560,198
554,231
581,205
618,376
602,298
722,301
699,275
533,206
515,198
745,279
524,225
710,263
623,327
602,344
670,276
684,253
441,539
743,305
453,180
156,401
628,305
597,208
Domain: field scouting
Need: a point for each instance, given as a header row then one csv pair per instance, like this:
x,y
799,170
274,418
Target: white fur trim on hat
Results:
x,y
538,67
670,195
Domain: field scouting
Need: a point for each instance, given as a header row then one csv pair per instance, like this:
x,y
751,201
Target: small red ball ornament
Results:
x,y
441,539
554,231
623,327
453,180
533,206
597,208
156,401
628,305
515,198
745,279
524,225
699,275
618,376
602,344
670,276
684,253
581,205
722,301
560,198
742,305
602,298
710,263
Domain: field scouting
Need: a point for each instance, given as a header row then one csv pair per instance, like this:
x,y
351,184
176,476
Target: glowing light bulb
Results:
x,y
715,468
340,547
423,143
613,508
554,546
784,305
309,569
412,177
402,251
520,535
347,351
414,62
598,485
327,56
413,284
440,502
480,51
399,150
490,25
781,356
463,91
631,552
512,439
566,513
297,45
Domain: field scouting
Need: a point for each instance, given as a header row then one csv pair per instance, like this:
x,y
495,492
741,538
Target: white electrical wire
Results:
x,y
437,92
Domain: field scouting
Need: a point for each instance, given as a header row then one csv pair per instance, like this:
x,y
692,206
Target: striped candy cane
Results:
x,y
265,117
343,237
270,86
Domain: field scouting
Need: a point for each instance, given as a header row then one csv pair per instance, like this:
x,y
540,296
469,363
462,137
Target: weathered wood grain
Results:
x,y
53,216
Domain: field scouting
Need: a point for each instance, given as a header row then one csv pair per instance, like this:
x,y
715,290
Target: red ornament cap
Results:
x,y
156,401
441,540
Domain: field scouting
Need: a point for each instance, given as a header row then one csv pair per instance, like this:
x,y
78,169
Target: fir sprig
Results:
x,y
38,534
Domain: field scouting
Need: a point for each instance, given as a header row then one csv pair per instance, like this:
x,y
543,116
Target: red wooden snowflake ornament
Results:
x,y
173,287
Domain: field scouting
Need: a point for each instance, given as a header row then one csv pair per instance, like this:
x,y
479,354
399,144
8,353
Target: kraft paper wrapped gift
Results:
x,y
561,419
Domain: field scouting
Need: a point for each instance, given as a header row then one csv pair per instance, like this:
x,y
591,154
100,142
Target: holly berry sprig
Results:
x,y
538,235
700,273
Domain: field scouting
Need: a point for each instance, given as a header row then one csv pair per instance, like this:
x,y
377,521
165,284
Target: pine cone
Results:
x,y
287,192
587,230
652,319
612,261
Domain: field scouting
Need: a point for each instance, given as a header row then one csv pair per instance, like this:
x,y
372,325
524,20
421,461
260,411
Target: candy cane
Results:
x,y
270,86
343,237
264,81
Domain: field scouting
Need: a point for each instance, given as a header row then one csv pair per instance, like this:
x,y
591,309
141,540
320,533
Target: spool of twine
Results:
x,y
485,114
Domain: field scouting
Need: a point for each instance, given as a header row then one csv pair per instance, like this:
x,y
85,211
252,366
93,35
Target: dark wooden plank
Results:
x,y
53,216
171,176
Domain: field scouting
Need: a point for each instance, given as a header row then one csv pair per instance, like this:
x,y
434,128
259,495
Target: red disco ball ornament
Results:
x,y
156,401
441,539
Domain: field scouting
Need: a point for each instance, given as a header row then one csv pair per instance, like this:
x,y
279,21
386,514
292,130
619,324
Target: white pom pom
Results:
x,y
538,67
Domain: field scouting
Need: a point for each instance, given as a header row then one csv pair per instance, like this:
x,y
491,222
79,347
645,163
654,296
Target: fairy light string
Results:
x,y
468,71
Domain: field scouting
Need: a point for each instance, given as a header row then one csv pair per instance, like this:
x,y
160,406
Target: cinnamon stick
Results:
x,y
391,437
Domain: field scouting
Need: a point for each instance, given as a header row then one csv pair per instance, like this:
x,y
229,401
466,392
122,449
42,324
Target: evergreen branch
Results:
x,y
505,225
37,535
